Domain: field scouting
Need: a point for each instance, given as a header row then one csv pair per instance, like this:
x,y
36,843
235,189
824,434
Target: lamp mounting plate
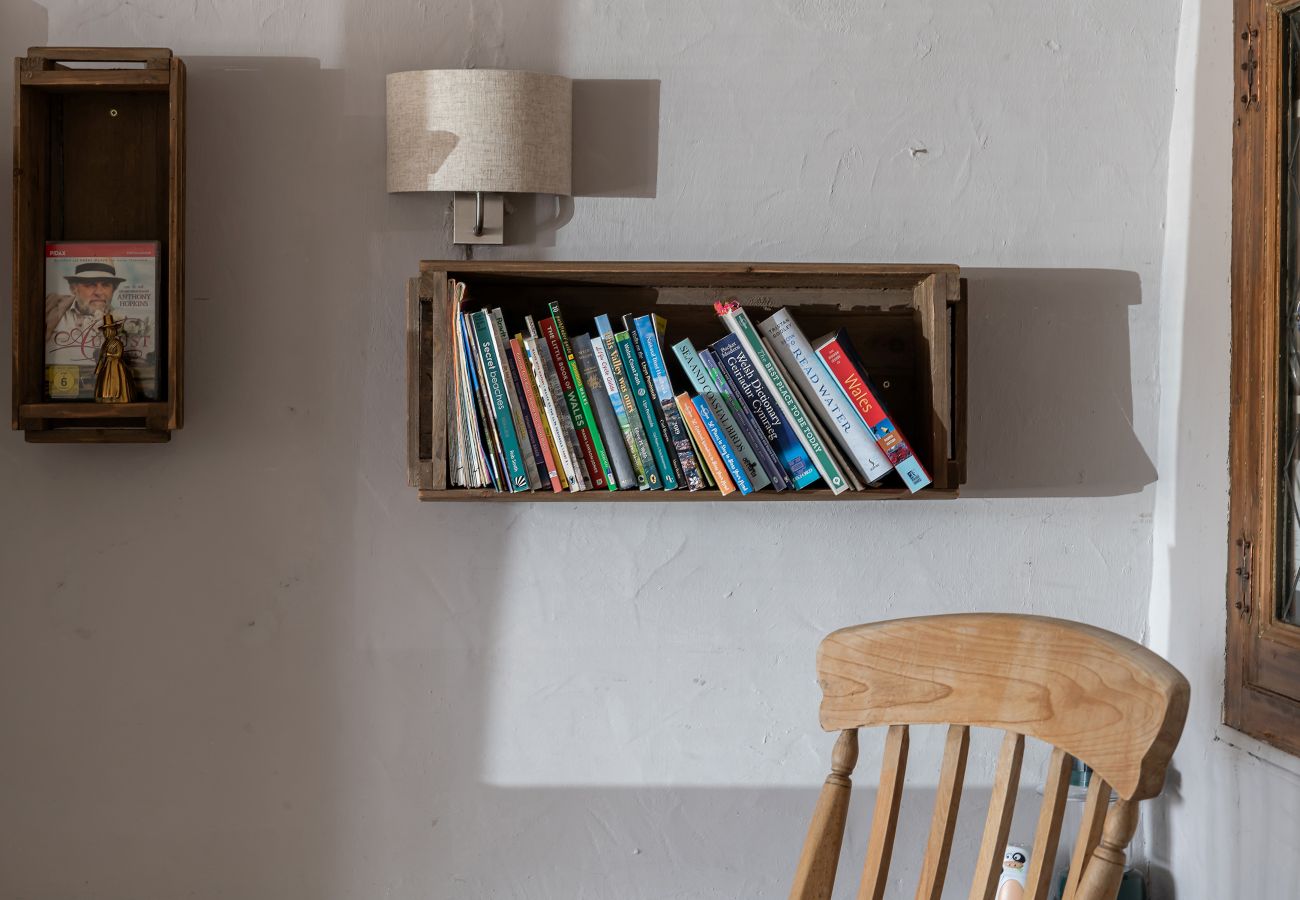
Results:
x,y
465,209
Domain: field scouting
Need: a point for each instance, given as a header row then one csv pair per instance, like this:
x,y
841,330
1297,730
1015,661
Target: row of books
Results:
x,y
547,410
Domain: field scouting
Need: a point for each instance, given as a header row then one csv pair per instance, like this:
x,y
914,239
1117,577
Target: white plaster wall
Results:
x,y
1226,825
249,664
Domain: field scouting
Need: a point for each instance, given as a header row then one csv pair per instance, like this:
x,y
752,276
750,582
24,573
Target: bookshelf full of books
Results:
x,y
685,381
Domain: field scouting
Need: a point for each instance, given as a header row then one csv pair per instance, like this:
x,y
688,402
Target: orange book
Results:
x,y
704,442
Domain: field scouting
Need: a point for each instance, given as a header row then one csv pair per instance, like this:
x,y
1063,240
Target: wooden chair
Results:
x,y
1092,695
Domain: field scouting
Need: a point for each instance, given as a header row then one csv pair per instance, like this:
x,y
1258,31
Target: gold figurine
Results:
x,y
112,378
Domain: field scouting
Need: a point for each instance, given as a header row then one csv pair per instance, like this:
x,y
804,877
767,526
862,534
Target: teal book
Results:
x,y
510,449
702,381
588,414
645,408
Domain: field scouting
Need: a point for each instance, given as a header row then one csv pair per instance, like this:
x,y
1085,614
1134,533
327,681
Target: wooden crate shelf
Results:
x,y
907,321
125,184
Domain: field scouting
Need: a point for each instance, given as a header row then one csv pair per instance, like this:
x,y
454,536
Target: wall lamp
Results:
x,y
480,134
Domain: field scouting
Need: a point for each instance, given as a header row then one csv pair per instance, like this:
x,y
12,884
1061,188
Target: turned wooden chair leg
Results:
x,y
815,877
1103,873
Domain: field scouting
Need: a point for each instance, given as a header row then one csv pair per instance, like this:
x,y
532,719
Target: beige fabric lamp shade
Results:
x,y
491,130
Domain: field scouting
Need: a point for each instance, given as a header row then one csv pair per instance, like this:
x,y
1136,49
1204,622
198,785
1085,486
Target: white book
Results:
x,y
850,474
824,395
738,322
548,383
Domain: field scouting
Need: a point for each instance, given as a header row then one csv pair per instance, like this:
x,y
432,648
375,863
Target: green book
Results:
x,y
588,414
629,420
514,458
645,406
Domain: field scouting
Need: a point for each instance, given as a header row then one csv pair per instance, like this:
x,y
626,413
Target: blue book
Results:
x,y
514,458
736,439
725,450
645,408
754,434
677,433
746,383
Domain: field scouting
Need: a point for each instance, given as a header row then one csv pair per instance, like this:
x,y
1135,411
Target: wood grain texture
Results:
x,y
99,54
943,823
815,875
1047,834
896,315
1105,869
997,824
1100,697
129,184
99,79
1094,818
1262,683
884,821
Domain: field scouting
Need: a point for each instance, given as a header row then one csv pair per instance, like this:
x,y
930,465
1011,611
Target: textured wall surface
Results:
x,y
249,664
1226,826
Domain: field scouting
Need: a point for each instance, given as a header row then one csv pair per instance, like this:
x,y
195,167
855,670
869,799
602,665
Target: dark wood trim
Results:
x,y
1262,683
920,309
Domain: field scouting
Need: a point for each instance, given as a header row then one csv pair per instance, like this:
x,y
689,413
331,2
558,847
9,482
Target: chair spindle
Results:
x,y
1002,805
1105,871
884,820
815,877
1047,833
1094,817
943,823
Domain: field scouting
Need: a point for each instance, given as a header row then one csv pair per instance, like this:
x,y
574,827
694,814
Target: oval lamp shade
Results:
x,y
491,130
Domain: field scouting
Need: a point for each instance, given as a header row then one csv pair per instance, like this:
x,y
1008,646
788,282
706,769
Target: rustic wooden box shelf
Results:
x,y
99,155
908,323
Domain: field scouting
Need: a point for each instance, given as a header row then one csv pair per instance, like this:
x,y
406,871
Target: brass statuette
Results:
x,y
112,378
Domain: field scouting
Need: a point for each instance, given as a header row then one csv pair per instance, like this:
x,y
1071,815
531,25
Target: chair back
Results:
x,y
1092,695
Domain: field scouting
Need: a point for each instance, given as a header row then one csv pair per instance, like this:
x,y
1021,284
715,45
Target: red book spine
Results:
x,y
535,413
864,401
589,458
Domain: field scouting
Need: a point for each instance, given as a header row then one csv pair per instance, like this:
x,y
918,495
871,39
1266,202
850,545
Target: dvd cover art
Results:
x,y
83,281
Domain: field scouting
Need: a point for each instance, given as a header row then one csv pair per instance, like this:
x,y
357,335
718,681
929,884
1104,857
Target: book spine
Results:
x,y
529,390
738,320
655,400
566,439
749,426
528,347
746,383
584,352
891,440
492,443
501,345
649,335
600,458
539,360
666,478
824,395
640,440
516,471
703,383
606,366
704,443
595,473
537,471
726,452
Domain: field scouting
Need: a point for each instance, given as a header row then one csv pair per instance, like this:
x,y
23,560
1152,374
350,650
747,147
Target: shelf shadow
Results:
x,y
1051,392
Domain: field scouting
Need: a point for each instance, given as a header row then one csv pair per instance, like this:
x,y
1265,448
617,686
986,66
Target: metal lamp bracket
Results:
x,y
478,218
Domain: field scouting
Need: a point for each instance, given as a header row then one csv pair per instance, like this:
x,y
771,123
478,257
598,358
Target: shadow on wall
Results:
x,y
1051,393
615,154
701,842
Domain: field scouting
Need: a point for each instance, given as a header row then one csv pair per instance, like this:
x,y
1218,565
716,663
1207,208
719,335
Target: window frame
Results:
x,y
1262,684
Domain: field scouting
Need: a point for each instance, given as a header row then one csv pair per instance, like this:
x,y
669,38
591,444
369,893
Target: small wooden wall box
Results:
x,y
99,154
907,321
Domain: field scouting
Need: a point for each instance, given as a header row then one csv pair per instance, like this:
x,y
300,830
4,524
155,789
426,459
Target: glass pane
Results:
x,y
1289,471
